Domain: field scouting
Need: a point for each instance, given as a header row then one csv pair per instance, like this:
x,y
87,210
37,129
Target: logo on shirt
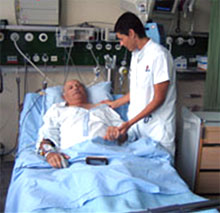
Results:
x,y
147,69
147,119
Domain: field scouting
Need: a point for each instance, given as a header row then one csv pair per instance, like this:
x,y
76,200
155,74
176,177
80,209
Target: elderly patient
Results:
x,y
73,121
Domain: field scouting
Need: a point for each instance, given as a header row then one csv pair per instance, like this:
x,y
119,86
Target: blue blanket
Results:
x,y
142,165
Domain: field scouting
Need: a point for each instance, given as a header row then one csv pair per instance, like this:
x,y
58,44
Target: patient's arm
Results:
x,y
54,158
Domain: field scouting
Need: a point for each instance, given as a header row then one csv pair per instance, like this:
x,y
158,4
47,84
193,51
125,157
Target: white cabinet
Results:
x,y
198,152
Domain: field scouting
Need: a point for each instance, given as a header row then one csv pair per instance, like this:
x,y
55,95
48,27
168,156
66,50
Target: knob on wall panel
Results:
x,y
98,46
14,36
36,58
29,37
45,57
2,36
118,47
108,46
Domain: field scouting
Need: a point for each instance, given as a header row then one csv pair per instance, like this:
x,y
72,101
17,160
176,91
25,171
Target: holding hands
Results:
x,y
117,133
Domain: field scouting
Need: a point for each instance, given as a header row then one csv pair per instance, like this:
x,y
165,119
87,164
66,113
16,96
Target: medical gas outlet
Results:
x,y
123,70
29,37
45,58
36,58
14,37
2,37
190,41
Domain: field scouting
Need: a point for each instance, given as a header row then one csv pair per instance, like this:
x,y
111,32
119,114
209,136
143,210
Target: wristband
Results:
x,y
47,153
46,148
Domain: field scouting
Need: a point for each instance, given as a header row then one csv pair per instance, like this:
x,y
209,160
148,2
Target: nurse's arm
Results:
x,y
160,92
120,101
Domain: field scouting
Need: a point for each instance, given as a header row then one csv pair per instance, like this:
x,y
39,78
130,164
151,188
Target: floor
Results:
x,y
5,176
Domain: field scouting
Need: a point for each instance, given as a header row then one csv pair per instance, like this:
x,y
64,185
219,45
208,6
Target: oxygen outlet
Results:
x,y
89,46
29,37
123,70
45,58
118,47
98,46
43,37
180,41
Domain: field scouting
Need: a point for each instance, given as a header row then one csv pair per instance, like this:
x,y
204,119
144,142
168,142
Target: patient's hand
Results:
x,y
55,158
113,133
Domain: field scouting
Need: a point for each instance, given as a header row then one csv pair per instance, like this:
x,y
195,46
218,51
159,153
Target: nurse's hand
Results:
x,y
55,159
124,128
112,104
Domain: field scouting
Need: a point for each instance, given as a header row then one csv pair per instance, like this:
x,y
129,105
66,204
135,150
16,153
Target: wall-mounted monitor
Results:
x,y
165,6
148,9
37,12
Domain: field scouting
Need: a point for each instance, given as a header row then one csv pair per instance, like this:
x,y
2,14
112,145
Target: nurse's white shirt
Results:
x,y
69,125
151,65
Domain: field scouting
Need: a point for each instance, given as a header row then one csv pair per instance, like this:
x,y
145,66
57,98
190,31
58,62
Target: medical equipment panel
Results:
x,y
52,47
40,12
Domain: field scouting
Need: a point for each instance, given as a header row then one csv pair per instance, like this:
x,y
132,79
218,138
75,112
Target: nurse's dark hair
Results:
x,y
129,21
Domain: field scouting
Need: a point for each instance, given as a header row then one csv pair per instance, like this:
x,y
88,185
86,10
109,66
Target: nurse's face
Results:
x,y
128,41
74,92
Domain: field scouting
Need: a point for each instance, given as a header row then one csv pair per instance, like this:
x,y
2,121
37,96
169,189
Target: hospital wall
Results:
x,y
104,13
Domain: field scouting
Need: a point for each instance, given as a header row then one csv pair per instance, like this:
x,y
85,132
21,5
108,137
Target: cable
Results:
x,y
18,103
1,81
18,80
77,71
25,78
97,69
36,68
67,64
28,111
93,55
14,148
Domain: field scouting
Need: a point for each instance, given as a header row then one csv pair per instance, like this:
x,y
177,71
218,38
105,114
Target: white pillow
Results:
x,y
96,93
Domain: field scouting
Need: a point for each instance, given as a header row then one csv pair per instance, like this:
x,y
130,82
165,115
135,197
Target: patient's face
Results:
x,y
74,92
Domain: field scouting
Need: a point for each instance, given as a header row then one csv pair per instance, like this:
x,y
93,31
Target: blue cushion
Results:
x,y
123,109
99,92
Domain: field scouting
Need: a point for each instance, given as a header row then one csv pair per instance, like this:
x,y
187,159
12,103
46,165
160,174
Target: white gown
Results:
x,y
69,125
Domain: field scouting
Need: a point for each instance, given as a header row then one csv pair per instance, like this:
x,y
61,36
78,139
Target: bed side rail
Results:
x,y
188,207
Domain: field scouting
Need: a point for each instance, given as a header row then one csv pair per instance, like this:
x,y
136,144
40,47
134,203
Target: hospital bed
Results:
x,y
139,177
